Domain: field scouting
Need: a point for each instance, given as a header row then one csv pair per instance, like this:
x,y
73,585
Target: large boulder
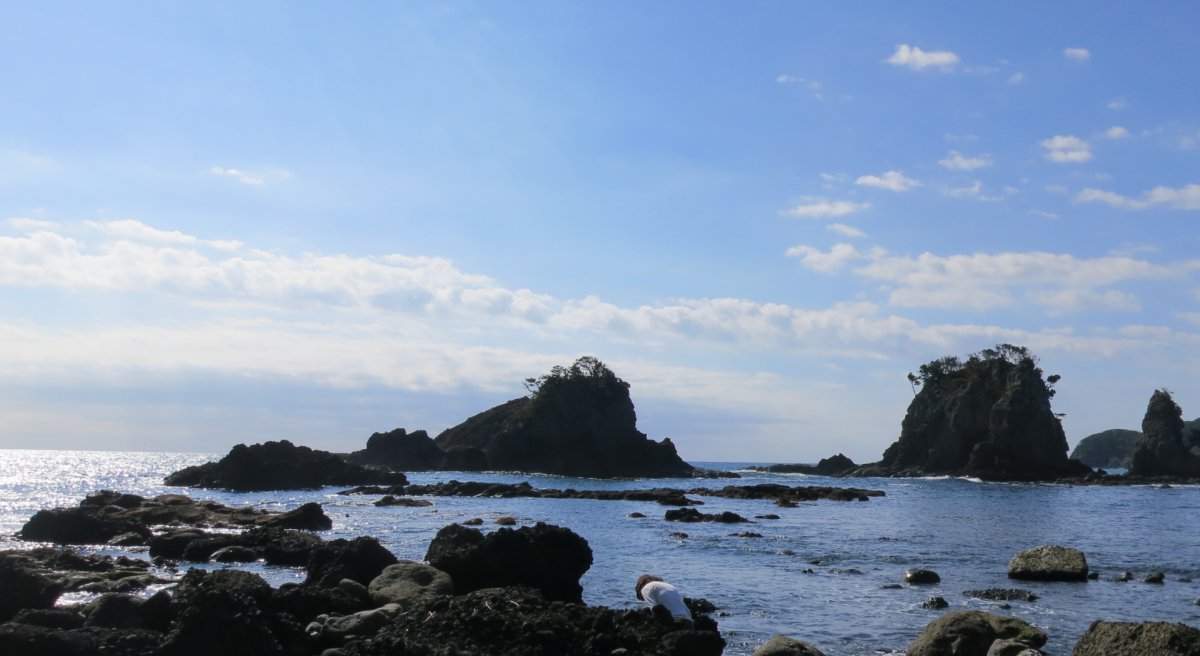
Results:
x,y
1161,451
23,586
280,466
988,417
219,613
548,558
1107,449
781,645
578,421
401,450
971,633
360,559
81,525
1133,639
1049,563
407,582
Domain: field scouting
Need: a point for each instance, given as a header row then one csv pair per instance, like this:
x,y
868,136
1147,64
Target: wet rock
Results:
x,y
361,559
767,516
678,535
79,526
115,611
935,603
921,577
1049,563
405,502
636,515
1124,577
1002,594
474,521
24,587
1133,639
1011,648
693,515
548,558
971,633
693,643
891,586
280,466
1155,577
234,554
783,645
407,582
746,534
506,521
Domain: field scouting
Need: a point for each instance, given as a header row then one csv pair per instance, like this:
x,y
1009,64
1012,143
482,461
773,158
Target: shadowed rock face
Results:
x,y
989,418
584,426
280,466
401,450
1161,451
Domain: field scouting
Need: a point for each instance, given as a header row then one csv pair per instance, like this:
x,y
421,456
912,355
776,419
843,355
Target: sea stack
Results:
x,y
987,417
1161,451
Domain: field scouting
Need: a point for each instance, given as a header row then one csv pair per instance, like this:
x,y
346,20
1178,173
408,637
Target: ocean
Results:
x,y
817,573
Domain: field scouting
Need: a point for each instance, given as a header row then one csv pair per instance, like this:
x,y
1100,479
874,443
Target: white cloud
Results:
x,y
956,161
814,86
1116,132
1066,149
138,231
845,230
243,177
27,224
1016,78
916,59
1183,198
892,181
835,259
1044,214
971,191
1117,104
820,208
1078,54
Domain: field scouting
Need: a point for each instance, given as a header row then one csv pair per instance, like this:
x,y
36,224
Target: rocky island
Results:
x,y
1112,448
1162,449
280,466
987,417
577,421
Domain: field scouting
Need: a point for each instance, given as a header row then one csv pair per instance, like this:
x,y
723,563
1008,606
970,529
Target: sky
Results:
x,y
227,222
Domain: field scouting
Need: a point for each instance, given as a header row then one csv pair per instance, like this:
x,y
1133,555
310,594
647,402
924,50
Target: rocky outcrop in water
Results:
x,y
1162,451
1138,639
1109,449
280,466
988,417
973,633
401,450
831,466
1049,563
112,517
578,421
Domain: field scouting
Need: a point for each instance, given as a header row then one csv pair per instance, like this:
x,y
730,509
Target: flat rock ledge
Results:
x,y
1049,563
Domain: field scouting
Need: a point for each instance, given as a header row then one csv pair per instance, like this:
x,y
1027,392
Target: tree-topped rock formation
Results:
x,y
577,421
1162,451
1110,448
280,466
988,416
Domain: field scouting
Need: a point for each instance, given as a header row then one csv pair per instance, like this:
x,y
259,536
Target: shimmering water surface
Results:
x,y
966,531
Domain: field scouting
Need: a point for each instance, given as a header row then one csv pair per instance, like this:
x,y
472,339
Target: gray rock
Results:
x,y
407,582
361,623
1049,563
971,633
234,554
781,645
1011,648
1133,639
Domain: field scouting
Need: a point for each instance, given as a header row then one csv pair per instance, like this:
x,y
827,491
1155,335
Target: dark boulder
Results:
x,y
579,421
23,586
781,645
547,558
361,559
1161,451
988,417
1108,449
971,633
1134,639
831,466
81,525
280,466
693,515
921,577
1002,594
219,613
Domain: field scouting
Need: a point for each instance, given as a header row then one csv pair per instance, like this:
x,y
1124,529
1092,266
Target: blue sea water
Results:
x,y
817,573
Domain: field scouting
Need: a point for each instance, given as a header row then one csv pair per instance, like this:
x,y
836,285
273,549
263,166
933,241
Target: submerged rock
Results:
x,y
1002,594
1134,639
280,466
1049,563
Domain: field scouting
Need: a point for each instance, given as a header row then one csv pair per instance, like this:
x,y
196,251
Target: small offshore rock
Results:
x,y
678,535
1154,577
636,515
1002,594
1134,639
746,534
1049,563
474,521
891,586
234,554
406,502
781,645
767,516
507,520
1124,577
921,577
935,603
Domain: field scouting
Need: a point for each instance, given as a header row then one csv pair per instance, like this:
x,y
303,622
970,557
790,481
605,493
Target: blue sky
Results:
x,y
232,222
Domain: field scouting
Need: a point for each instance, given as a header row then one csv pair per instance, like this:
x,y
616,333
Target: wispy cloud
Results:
x,y
846,231
1016,78
836,258
1077,54
1183,198
241,176
814,87
1067,149
891,180
820,208
27,224
1116,132
1117,104
916,59
956,161
138,231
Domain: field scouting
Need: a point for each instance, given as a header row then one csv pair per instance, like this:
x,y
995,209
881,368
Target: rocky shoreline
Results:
x,y
509,591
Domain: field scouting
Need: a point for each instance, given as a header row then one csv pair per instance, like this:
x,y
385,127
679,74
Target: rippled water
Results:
x,y
966,531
